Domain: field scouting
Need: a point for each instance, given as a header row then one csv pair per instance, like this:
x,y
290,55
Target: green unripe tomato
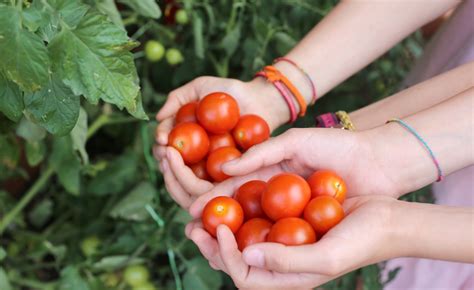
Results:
x,y
136,275
154,50
145,286
110,280
174,56
89,245
182,17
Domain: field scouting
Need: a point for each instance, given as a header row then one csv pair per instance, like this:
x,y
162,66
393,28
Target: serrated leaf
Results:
x,y
94,61
132,206
4,284
54,107
108,7
71,280
24,58
79,136
147,8
34,16
66,164
70,12
11,99
199,276
35,152
30,131
139,112
112,263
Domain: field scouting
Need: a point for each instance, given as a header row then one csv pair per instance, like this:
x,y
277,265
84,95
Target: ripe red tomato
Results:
x,y
292,232
219,157
249,195
327,182
190,140
187,113
286,196
200,171
250,130
252,232
218,112
323,213
221,140
222,210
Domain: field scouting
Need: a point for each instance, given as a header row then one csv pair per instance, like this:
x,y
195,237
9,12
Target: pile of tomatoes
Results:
x,y
287,209
211,132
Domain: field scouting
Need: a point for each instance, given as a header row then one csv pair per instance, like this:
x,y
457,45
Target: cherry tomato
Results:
x,y
323,213
187,113
200,170
286,196
182,17
220,140
190,140
292,232
250,130
219,157
218,112
145,286
327,182
252,232
222,210
154,50
174,56
136,275
89,245
249,195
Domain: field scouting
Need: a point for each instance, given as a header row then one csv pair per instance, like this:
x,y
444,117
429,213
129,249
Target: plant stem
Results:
x,y
174,269
98,123
26,198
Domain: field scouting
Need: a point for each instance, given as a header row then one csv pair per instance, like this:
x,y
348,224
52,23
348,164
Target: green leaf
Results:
x,y
71,280
112,263
94,60
147,8
198,35
41,213
3,254
11,99
30,131
132,206
109,8
71,12
9,151
199,276
24,58
4,284
34,16
54,107
79,136
35,152
66,164
231,41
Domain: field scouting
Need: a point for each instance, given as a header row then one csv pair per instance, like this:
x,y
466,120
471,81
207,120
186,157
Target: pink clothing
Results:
x,y
452,46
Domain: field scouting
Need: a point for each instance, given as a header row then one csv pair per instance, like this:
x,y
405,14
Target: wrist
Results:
x,y
298,79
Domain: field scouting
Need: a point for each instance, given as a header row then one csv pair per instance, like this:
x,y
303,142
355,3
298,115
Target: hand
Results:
x,y
303,151
257,97
367,235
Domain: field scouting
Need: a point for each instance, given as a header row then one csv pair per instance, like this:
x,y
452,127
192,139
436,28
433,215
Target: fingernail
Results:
x,y
254,257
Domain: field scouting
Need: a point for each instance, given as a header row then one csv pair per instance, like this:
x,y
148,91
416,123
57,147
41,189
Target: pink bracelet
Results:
x,y
313,87
284,93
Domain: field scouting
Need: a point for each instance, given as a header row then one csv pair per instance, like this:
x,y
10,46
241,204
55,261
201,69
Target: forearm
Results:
x,y
434,231
447,128
416,98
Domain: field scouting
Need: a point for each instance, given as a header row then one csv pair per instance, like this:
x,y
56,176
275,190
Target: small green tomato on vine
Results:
x,y
154,50
174,56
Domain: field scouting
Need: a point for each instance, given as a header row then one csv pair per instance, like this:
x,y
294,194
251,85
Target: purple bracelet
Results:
x,y
328,120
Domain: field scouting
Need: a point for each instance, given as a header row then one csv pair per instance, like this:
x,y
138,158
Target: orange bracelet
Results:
x,y
273,75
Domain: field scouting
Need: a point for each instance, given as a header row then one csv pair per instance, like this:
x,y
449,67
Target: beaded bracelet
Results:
x,y
313,87
345,120
327,120
414,133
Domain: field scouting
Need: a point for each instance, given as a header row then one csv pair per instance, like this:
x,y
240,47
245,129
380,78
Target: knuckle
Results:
x,y
279,262
333,267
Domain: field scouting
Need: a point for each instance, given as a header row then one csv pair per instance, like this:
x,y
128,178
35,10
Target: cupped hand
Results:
x,y
367,235
303,151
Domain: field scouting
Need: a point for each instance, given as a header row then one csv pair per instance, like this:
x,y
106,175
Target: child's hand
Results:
x,y
367,235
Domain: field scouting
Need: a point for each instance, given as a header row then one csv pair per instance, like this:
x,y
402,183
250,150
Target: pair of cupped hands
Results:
x,y
360,239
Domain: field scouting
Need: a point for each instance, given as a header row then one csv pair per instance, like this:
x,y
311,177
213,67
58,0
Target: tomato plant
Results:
x,y
182,17
190,140
174,56
286,196
252,232
222,210
327,182
187,113
249,195
154,50
217,158
323,213
218,112
250,130
292,231
220,140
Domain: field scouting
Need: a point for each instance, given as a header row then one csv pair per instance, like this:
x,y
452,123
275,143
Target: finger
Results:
x,y
185,175
208,247
163,130
214,266
159,152
261,155
230,254
229,186
191,226
178,98
175,190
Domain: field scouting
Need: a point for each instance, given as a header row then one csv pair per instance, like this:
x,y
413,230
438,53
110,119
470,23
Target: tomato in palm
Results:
x,y
249,195
323,213
222,210
199,169
190,140
219,157
327,182
292,232
253,231
250,130
187,113
218,112
220,140
136,275
286,196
